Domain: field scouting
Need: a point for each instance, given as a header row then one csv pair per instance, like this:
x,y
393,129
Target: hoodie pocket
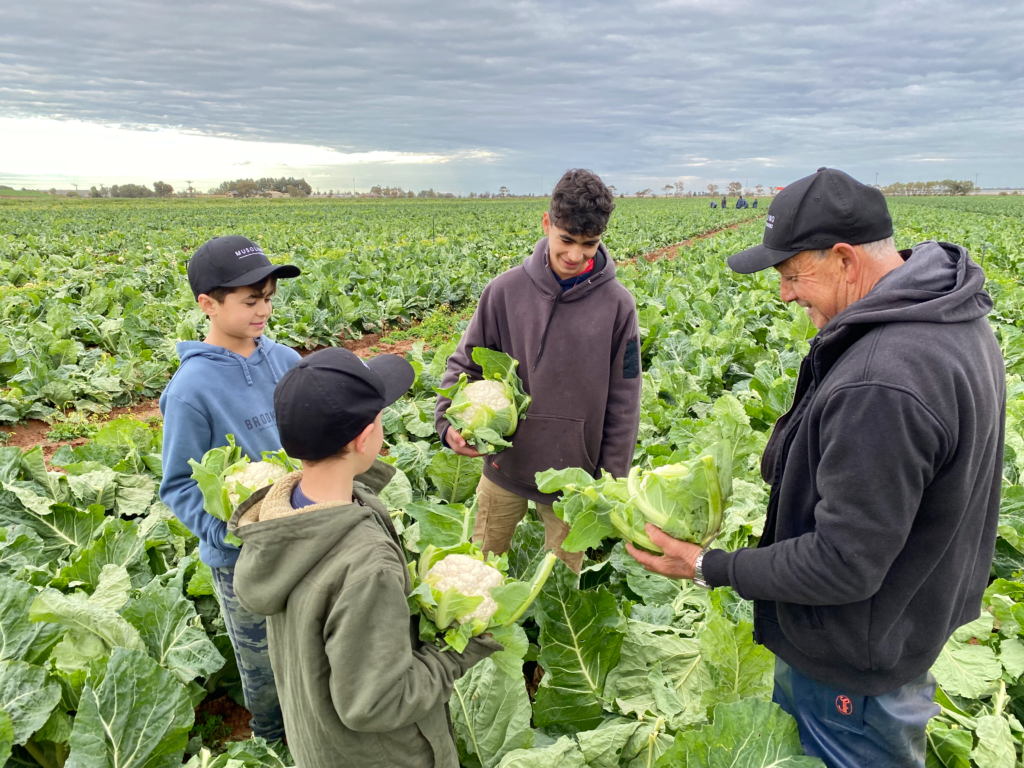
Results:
x,y
543,442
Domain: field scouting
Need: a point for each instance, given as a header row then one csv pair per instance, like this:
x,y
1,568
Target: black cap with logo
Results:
x,y
814,213
232,262
325,400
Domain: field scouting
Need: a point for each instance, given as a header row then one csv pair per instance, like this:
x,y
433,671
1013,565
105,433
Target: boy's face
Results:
x,y
568,254
243,313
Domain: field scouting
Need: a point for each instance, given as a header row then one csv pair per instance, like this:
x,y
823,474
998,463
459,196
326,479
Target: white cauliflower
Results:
x,y
485,392
470,577
253,476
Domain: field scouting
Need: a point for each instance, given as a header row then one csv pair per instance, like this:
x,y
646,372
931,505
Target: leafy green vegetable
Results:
x,y
488,410
461,593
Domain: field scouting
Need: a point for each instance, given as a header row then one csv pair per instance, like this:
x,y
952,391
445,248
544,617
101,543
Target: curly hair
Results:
x,y
581,203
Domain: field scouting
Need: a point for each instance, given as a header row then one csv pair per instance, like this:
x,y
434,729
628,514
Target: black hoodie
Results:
x,y
885,476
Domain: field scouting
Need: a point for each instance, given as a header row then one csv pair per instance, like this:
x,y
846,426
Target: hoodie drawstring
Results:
x,y
544,338
245,370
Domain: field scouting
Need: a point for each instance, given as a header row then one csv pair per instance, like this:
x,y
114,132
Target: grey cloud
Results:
x,y
642,92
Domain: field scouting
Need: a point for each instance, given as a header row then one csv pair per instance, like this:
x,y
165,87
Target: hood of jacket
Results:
x,y
282,544
188,350
544,279
937,283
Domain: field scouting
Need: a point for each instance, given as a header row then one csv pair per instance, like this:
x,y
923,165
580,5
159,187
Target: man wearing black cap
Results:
x,y
322,561
225,385
885,475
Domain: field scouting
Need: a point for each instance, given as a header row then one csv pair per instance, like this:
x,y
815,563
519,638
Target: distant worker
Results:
x,y
741,203
714,204
725,202
754,205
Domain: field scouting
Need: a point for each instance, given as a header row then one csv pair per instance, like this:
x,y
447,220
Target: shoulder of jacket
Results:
x,y
366,552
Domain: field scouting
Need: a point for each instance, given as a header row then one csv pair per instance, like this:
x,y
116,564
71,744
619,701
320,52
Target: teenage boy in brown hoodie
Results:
x,y
321,560
573,328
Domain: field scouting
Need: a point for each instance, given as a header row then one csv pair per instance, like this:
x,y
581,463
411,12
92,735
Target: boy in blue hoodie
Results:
x,y
225,385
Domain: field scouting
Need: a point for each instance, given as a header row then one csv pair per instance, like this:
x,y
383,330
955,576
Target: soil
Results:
x,y
232,716
26,434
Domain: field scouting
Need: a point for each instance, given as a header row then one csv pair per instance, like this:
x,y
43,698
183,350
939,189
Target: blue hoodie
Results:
x,y
216,392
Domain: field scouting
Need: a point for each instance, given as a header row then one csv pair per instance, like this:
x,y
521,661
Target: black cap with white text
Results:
x,y
815,213
232,261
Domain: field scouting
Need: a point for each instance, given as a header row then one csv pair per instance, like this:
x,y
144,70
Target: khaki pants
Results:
x,y
498,512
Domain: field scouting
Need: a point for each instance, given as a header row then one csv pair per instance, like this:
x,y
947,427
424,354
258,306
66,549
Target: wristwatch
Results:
x,y
698,570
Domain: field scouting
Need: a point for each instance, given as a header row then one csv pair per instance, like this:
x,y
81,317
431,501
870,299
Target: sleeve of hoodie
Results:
x,y
378,682
481,332
622,414
880,448
187,435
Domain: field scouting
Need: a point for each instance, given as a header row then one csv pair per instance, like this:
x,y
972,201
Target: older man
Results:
x,y
885,475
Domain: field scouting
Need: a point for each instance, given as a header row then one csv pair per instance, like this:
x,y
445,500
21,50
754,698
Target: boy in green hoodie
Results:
x,y
322,561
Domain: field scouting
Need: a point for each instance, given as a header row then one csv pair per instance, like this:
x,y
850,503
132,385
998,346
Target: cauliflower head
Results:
x,y
253,476
485,392
470,577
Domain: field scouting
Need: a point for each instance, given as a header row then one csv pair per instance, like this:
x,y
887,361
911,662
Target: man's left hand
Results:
x,y
678,561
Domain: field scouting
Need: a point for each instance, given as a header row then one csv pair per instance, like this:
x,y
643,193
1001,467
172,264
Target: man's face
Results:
x,y
568,254
817,285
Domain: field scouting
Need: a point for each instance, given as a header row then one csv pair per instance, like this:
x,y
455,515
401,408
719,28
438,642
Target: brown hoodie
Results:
x,y
579,359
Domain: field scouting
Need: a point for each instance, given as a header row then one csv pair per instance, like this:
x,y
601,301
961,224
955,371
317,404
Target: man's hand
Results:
x,y
457,444
678,561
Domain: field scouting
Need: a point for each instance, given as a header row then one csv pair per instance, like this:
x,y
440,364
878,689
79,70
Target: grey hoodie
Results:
x,y
579,359
886,478
357,687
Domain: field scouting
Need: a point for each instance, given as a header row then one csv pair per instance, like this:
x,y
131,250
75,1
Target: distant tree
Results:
x,y
72,193
130,191
53,191
759,190
612,189
667,189
679,186
644,192
472,195
294,191
712,189
93,192
162,190
246,188
735,187
503,192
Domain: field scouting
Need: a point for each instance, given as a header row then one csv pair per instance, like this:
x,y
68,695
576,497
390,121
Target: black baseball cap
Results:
x,y
232,262
815,213
325,400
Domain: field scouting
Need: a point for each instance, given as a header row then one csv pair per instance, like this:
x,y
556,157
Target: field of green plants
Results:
x,y
110,635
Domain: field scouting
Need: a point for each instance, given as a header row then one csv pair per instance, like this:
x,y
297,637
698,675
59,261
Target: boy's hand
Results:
x,y
457,444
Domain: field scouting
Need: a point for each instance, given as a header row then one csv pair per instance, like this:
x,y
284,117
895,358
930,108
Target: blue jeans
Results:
x,y
248,633
849,731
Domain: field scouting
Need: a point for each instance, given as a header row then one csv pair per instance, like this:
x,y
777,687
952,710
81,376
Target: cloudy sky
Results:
x,y
473,95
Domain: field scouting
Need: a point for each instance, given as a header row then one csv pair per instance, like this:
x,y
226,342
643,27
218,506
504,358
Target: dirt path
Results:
x,y
671,251
32,432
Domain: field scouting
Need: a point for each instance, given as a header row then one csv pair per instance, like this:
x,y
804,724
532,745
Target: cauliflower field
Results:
x,y
106,608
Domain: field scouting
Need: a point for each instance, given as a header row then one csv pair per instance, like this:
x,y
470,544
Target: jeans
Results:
x,y
849,731
248,633
498,512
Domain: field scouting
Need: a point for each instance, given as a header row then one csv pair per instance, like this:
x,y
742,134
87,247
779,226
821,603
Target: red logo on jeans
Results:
x,y
844,705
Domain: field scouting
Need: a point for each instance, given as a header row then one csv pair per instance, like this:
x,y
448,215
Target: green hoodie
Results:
x,y
357,687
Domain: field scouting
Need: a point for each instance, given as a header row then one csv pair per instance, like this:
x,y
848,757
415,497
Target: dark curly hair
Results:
x,y
581,203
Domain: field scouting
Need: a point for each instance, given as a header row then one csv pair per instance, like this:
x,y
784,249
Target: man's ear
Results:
x,y
546,223
849,260
363,437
